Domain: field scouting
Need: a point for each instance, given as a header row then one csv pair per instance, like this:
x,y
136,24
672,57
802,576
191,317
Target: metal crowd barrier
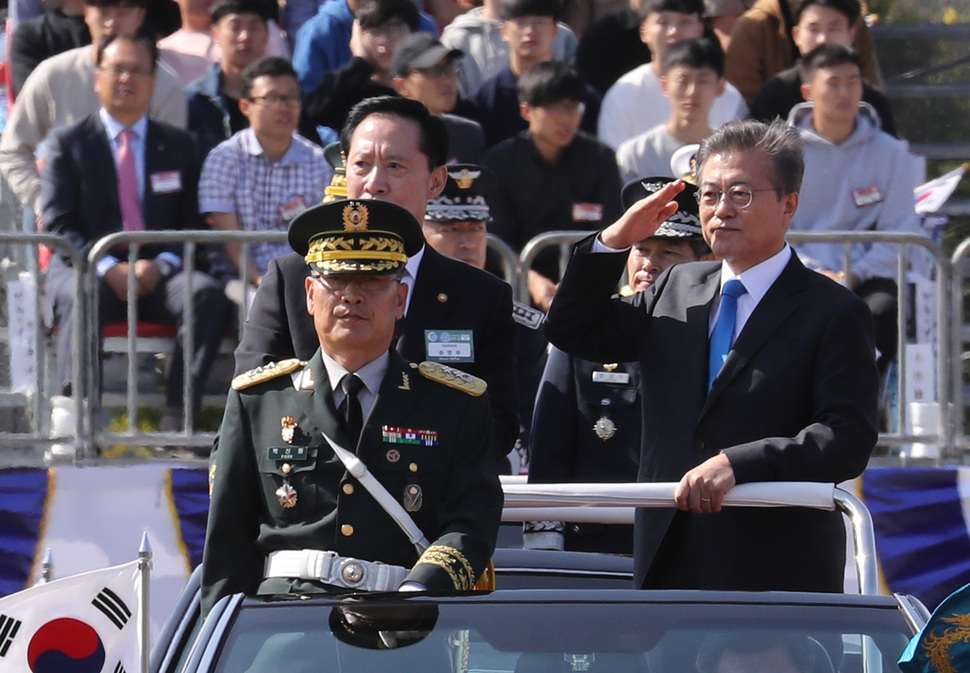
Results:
x,y
134,240
957,437
904,242
36,401
89,435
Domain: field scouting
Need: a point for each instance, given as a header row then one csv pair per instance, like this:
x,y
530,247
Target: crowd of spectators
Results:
x,y
563,102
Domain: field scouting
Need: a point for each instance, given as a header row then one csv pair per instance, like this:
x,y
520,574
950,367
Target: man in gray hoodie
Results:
x,y
857,178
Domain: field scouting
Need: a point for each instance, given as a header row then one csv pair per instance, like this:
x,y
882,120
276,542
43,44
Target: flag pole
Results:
x,y
144,613
47,567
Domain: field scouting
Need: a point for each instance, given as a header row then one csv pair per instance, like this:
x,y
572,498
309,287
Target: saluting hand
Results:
x,y
643,218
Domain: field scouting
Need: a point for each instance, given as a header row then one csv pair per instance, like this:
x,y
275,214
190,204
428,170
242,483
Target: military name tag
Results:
x,y
616,378
287,453
449,345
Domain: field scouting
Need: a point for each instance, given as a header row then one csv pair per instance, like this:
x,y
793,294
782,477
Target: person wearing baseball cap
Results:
x,y
286,515
425,70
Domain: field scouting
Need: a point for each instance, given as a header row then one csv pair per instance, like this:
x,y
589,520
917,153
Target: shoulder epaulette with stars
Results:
x,y
266,372
453,378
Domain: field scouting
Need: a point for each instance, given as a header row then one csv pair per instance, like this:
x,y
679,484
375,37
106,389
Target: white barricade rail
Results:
x,y
616,503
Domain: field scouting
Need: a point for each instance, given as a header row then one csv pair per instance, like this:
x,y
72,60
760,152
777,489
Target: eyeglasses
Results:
x,y
391,30
364,283
276,101
533,22
117,71
565,108
738,196
449,69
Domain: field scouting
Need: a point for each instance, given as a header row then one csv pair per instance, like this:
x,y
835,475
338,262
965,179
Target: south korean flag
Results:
x,y
87,622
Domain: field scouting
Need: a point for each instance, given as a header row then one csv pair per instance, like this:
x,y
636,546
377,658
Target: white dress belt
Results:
x,y
331,568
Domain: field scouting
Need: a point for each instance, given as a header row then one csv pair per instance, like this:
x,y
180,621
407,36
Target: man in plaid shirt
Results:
x,y
263,176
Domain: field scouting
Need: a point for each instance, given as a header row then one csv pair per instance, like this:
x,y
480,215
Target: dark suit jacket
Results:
x,y
79,192
796,401
448,294
462,498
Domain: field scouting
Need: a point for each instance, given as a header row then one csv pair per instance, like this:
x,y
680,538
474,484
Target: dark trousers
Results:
x,y
881,295
165,305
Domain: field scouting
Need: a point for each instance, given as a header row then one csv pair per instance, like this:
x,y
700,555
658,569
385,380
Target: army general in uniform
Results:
x,y
285,513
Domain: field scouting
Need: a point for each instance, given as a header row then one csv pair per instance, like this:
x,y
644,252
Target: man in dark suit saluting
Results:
x,y
753,369
118,170
395,151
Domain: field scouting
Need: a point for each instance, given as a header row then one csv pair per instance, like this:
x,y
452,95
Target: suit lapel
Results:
x,y
105,172
153,153
318,405
772,312
429,301
700,299
394,400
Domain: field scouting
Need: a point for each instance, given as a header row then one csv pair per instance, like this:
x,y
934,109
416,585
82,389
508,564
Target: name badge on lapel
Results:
x,y
449,345
166,182
287,453
615,378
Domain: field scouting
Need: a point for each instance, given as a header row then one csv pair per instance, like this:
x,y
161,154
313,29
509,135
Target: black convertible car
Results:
x,y
552,612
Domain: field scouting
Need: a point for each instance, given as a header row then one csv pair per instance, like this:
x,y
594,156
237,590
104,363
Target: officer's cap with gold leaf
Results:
x,y
355,236
465,196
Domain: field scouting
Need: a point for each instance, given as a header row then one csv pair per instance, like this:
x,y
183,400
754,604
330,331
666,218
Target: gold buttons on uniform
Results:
x,y
413,467
287,468
349,488
347,530
442,297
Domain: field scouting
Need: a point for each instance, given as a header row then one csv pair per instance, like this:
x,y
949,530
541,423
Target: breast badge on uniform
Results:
x,y
266,372
286,495
413,498
604,428
288,429
453,378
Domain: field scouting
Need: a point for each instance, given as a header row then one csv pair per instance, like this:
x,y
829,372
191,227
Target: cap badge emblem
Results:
x,y
355,217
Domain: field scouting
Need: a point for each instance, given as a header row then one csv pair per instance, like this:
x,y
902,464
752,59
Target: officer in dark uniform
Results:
x,y
285,514
586,426
455,224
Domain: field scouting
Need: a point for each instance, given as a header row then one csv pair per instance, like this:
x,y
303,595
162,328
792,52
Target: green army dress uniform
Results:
x,y
460,497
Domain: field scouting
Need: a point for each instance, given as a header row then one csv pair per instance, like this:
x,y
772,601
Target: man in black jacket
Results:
x,y
395,151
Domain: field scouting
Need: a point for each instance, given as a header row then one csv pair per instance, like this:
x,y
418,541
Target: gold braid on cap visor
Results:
x,y
333,252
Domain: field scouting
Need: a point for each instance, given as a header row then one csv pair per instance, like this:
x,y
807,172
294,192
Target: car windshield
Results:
x,y
589,636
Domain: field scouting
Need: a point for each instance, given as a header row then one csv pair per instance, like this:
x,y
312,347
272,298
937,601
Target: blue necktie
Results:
x,y
724,327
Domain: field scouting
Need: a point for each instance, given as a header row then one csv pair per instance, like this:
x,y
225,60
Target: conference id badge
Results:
x,y
292,208
449,345
866,196
587,212
166,182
